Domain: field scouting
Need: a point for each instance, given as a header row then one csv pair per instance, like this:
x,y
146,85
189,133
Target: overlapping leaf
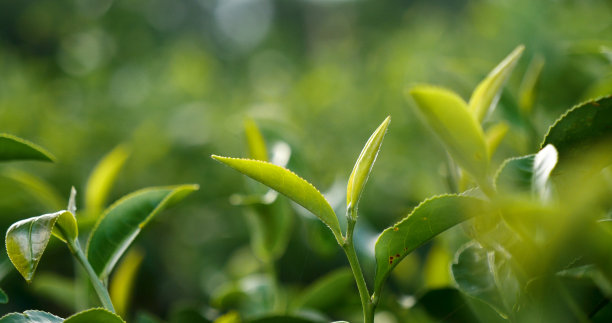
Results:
x,y
121,223
15,148
287,183
428,219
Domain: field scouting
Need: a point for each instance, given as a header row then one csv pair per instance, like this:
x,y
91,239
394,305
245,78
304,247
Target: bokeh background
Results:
x,y
174,80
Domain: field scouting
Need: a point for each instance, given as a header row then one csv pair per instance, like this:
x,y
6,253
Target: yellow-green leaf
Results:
x,y
485,96
15,148
121,223
287,183
122,281
102,178
363,166
448,115
527,89
495,135
255,141
26,240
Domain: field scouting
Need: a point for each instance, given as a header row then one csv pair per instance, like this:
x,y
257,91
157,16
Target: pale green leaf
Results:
x,y
363,166
527,89
94,315
255,141
26,240
15,148
487,93
119,225
287,183
102,178
427,220
448,115
122,282
31,316
495,135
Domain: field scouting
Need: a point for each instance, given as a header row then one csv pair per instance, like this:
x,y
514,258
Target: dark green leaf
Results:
x,y
94,315
289,184
15,148
121,223
427,220
326,291
3,297
31,316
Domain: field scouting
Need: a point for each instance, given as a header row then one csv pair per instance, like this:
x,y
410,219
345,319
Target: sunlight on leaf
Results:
x,y
102,178
495,135
255,141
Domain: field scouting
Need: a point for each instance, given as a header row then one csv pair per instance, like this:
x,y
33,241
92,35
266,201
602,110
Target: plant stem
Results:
x,y
75,249
351,255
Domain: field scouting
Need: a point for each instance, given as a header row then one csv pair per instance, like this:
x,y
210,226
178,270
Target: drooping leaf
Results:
x,y
363,166
448,115
427,220
102,178
119,225
15,148
529,174
494,136
94,315
255,141
122,282
287,183
326,291
31,316
3,297
485,96
27,239
527,89
581,128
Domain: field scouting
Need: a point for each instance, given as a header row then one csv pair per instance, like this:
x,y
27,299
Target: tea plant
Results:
x,y
526,220
114,231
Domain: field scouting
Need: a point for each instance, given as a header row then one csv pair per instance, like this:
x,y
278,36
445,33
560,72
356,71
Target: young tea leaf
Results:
x,y
581,128
485,96
494,136
94,315
27,239
363,166
121,223
527,89
123,279
15,148
287,183
255,141
427,220
102,177
31,316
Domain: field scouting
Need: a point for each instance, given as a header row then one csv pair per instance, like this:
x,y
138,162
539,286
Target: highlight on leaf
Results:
x,y
363,166
102,178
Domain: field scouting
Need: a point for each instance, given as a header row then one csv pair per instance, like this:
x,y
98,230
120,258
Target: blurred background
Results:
x,y
174,80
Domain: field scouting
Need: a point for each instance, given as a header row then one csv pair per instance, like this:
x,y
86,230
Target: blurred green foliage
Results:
x,y
175,81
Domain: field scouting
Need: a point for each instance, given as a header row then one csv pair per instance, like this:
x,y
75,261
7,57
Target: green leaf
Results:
x,y
271,228
427,220
15,148
581,128
448,115
527,89
255,141
122,283
363,166
529,174
494,136
31,316
485,96
119,225
289,184
3,297
326,291
27,239
94,315
102,178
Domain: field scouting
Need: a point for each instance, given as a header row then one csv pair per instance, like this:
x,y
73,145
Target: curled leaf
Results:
x,y
363,166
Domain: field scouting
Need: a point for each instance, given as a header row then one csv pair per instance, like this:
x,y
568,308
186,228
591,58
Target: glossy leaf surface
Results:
x,y
485,96
15,148
427,220
289,184
363,166
26,240
448,115
255,141
581,128
121,223
31,316
94,315
102,178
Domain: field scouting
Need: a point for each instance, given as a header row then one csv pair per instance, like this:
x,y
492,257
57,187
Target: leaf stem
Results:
x,y
75,249
351,255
